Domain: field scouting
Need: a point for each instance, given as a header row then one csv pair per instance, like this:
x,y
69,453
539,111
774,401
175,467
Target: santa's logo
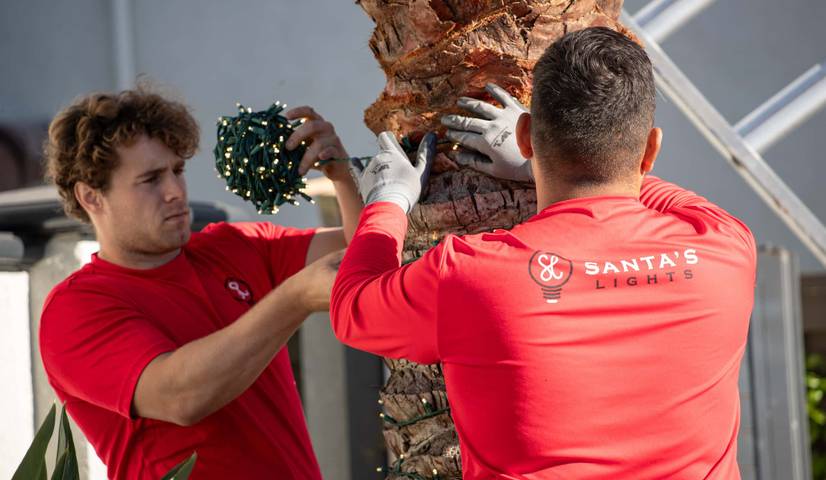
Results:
x,y
239,290
551,272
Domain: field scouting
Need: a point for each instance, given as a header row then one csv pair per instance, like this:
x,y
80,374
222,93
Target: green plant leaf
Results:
x,y
70,470
182,470
66,467
61,437
33,465
60,466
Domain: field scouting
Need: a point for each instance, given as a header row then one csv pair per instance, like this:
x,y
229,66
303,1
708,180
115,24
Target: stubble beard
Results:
x,y
162,242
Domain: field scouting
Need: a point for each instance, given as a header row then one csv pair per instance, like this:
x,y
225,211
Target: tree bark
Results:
x,y
433,52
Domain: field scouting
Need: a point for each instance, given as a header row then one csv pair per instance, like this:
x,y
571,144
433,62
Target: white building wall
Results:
x,y
17,404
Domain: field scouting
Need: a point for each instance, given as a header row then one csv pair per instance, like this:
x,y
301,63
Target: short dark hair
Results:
x,y
83,138
592,106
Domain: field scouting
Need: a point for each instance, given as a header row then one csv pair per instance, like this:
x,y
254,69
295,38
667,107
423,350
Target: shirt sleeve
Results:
x,y
664,197
283,248
94,347
671,199
378,306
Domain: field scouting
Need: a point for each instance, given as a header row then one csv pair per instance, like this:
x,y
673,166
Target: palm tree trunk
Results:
x,y
432,52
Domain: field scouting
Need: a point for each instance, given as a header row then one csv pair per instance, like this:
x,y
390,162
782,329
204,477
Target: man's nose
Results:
x,y
175,188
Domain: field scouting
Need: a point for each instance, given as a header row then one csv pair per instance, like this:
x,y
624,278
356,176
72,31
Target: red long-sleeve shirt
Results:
x,y
601,339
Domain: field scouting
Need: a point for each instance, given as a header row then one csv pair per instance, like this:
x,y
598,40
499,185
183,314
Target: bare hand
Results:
x,y
324,143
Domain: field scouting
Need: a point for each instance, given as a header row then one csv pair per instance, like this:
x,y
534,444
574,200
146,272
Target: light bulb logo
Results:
x,y
551,272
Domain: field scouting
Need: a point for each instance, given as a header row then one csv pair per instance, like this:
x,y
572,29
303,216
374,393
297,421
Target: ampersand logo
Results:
x,y
551,272
239,290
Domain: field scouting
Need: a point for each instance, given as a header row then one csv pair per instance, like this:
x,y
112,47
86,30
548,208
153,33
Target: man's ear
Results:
x,y
652,148
523,135
91,199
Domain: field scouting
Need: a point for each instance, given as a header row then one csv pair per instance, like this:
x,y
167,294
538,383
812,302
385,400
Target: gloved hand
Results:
x,y
493,136
390,177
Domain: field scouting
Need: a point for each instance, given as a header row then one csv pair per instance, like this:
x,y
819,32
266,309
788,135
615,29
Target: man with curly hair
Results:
x,y
170,342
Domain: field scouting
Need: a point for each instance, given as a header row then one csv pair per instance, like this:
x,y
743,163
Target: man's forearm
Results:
x,y
202,376
377,306
350,205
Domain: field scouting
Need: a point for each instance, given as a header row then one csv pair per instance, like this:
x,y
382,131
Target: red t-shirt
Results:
x,y
102,325
600,339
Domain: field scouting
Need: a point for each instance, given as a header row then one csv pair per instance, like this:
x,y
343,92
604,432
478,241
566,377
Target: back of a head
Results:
x,y
592,107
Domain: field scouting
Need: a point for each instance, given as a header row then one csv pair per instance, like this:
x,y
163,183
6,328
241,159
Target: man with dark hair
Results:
x,y
171,342
601,338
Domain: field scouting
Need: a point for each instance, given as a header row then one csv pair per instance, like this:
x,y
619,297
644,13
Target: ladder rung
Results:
x,y
745,160
787,109
662,17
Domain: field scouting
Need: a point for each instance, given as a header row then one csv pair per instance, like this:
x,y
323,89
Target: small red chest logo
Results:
x,y
239,290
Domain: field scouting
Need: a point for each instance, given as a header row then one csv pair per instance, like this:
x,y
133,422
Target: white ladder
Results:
x,y
740,144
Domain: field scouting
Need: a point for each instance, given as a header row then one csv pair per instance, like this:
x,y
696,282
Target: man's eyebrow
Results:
x,y
150,173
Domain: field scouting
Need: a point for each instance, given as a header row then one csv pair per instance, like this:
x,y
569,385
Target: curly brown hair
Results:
x,y
83,138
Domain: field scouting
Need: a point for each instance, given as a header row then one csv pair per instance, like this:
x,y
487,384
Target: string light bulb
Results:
x,y
252,143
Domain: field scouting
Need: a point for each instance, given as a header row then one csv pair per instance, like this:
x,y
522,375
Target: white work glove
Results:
x,y
390,177
493,136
